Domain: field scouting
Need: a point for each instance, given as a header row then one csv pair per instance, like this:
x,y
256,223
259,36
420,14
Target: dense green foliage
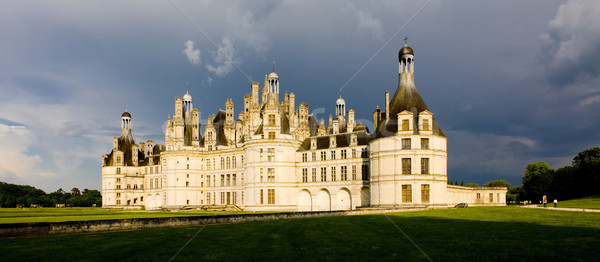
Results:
x,y
12,195
579,180
497,183
569,182
472,185
468,234
590,202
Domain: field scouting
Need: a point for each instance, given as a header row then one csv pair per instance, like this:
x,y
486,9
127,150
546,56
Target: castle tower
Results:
x,y
340,107
125,123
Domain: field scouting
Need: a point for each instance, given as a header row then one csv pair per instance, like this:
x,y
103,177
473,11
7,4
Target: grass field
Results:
x,y
27,215
470,234
586,202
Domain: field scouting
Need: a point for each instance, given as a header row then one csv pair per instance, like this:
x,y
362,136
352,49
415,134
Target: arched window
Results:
x,y
228,162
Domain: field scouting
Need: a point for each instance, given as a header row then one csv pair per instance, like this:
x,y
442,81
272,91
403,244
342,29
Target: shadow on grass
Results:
x,y
354,238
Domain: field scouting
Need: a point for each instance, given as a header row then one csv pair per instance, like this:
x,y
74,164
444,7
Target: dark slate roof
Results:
x,y
219,124
341,140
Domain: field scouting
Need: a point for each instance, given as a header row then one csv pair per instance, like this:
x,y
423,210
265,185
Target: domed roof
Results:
x,y
361,128
187,97
273,75
405,50
340,101
126,114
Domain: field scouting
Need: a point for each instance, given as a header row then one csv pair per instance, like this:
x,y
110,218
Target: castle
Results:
x,y
277,156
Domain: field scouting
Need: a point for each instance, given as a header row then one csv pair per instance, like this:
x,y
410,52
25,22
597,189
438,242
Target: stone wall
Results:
x,y
71,227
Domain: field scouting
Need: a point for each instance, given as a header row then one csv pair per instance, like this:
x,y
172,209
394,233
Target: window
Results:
x,y
271,154
353,153
261,175
271,135
314,174
222,163
478,195
424,166
364,153
323,174
118,194
156,183
208,198
425,124
405,125
128,186
323,155
228,163
271,196
151,183
222,180
208,181
314,156
406,166
425,193
424,143
271,120
118,170
228,179
118,201
207,164
118,159
353,172
344,173
188,167
343,152
118,180
242,164
187,183
233,162
214,163
365,172
233,178
156,169
271,175
333,173
332,154
405,143
187,175
261,155
304,175
406,193
491,197
304,157
262,201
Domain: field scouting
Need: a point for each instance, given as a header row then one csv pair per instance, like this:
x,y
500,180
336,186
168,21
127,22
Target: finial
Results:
x,y
405,40
273,65
125,108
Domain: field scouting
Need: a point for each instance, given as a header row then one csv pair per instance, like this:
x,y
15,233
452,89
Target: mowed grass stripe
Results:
x,y
472,234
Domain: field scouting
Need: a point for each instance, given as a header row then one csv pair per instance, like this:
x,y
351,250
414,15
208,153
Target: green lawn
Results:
x,y
586,202
27,215
469,234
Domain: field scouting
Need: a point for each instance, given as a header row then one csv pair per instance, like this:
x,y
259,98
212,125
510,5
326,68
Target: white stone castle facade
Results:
x,y
277,156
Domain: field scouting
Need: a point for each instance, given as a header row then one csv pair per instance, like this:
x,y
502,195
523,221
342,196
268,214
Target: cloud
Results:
x,y
224,59
193,55
366,23
590,100
14,159
571,45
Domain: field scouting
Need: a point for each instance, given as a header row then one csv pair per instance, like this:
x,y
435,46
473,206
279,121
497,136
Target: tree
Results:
x,y
75,191
462,183
497,183
587,172
472,185
537,180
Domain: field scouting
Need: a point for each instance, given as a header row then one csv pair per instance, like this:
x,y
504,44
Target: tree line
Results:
x,y
12,195
580,179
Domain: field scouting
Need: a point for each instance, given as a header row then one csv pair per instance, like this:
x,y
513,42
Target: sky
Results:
x,y
509,82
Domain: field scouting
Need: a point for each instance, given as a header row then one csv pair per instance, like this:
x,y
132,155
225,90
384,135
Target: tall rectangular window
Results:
x,y
424,166
323,155
314,174
364,153
222,180
271,120
406,193
353,172
332,154
333,173
271,175
304,157
208,181
354,153
323,174
261,175
491,197
406,166
262,201
365,172
261,155
424,143
304,175
271,196
424,193
314,156
405,143
343,152
233,162
271,135
478,195
228,162
425,125
344,173
405,125
207,164
118,170
233,178
271,154
228,179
